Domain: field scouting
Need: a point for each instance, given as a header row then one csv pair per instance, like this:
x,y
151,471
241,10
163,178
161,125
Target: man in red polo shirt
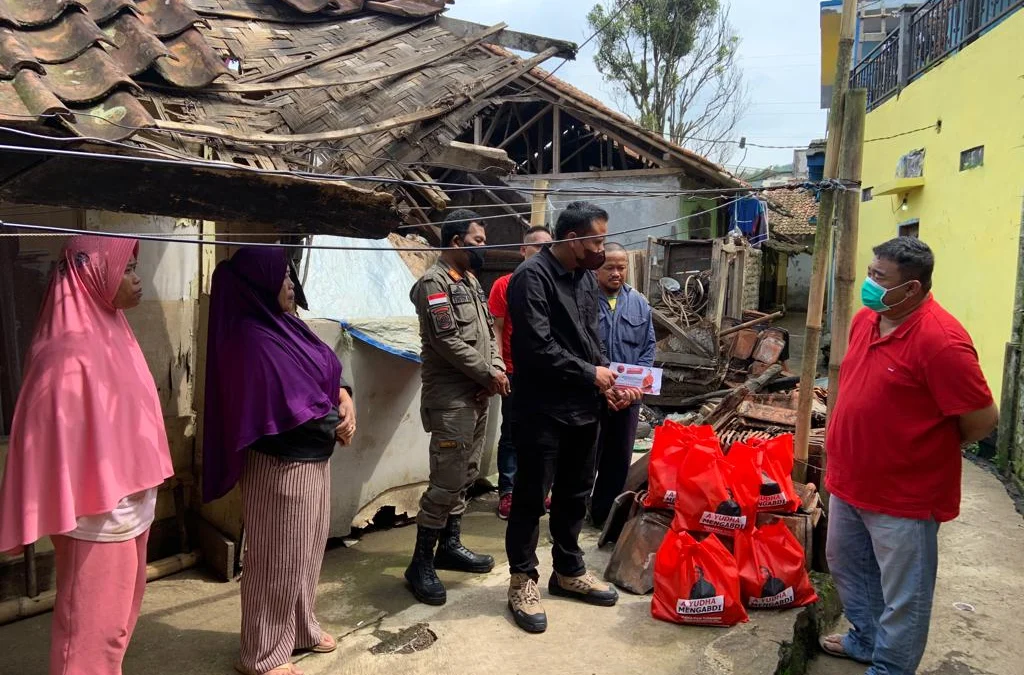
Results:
x,y
533,241
911,393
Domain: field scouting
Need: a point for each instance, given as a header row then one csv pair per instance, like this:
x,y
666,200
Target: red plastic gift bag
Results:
x,y
671,442
774,461
715,495
696,583
772,572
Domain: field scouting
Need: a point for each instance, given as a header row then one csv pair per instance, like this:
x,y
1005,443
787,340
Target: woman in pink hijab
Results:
x,y
87,453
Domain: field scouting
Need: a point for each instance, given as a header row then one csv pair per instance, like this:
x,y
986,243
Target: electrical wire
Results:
x,y
197,163
601,29
380,179
904,133
47,230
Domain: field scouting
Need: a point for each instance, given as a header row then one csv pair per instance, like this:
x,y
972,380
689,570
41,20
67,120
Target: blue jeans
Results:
x,y
884,568
506,449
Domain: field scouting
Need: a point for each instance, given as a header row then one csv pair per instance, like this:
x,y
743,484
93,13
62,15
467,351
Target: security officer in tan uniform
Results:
x,y
461,370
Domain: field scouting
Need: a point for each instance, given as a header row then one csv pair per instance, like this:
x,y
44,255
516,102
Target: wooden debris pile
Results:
x,y
723,360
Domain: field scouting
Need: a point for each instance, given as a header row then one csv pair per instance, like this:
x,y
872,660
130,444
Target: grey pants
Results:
x,y
456,444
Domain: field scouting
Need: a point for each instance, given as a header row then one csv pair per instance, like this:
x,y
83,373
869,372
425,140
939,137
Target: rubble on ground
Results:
x,y
713,345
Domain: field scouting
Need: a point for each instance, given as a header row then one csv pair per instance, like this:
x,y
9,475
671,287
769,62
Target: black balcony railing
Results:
x,y
879,71
932,32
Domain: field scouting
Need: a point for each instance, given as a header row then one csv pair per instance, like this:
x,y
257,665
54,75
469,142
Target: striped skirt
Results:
x,y
286,511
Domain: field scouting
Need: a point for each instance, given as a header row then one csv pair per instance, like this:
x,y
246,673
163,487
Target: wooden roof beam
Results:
x,y
511,39
469,157
526,127
498,200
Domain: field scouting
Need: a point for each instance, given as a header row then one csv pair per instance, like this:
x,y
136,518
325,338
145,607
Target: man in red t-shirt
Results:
x,y
533,241
910,394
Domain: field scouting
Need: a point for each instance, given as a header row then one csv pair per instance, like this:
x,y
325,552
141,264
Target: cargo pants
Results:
x,y
456,446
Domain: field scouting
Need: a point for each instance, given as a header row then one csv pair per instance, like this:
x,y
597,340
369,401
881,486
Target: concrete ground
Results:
x,y
977,626
190,624
796,324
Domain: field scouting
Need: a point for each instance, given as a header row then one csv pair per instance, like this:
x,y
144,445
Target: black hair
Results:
x,y
456,224
535,229
914,258
578,217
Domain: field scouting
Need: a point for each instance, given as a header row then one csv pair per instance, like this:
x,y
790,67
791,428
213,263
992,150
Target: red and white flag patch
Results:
x,y
437,299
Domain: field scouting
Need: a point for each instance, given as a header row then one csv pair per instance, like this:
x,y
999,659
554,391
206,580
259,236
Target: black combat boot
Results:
x,y
421,573
452,555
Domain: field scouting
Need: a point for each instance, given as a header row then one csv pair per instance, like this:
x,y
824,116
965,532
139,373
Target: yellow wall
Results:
x,y
831,18
971,219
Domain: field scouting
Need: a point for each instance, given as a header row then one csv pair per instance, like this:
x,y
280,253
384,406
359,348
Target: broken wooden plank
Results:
x,y
666,322
662,359
437,197
335,135
473,158
511,39
767,413
681,402
719,284
725,410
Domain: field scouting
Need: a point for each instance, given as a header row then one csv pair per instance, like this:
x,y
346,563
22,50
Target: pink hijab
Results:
x,y
88,429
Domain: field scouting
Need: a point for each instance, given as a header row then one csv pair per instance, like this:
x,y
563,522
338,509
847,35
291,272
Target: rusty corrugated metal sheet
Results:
x,y
77,59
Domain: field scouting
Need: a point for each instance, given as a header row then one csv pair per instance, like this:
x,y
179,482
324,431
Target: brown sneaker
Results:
x,y
524,603
585,587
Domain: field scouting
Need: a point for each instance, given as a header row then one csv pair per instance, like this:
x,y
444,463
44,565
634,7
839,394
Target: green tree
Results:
x,y
674,63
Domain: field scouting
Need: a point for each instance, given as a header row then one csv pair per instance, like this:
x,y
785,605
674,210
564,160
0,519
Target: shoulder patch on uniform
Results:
x,y
454,275
447,445
441,318
437,299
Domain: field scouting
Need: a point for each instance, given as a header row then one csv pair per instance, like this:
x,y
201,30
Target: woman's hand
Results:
x,y
347,414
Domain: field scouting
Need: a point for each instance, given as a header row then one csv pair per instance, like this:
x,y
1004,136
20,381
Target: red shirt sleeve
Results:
x,y
498,301
955,379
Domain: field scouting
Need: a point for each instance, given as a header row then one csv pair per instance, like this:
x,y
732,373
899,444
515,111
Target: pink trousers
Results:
x,y
99,595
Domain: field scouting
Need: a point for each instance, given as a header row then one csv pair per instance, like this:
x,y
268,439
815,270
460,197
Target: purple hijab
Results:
x,y
266,371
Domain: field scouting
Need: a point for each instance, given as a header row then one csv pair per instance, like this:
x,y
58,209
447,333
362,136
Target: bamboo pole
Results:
x,y
539,205
847,215
23,608
847,227
822,242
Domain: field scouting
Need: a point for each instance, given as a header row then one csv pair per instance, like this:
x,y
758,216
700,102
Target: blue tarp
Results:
x,y
399,336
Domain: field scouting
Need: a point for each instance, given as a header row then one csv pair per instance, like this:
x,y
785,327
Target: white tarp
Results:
x,y
352,285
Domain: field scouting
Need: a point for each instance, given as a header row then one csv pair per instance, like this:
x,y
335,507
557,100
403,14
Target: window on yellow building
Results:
x,y
972,158
908,228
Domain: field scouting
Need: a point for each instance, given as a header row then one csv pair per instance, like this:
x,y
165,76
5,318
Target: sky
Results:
x,y
779,53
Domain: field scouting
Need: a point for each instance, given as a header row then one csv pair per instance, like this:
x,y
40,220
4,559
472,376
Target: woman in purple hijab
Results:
x,y
276,404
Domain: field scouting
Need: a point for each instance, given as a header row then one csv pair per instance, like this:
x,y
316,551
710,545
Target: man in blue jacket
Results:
x,y
627,332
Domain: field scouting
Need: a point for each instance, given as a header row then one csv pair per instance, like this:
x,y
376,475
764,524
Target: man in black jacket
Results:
x,y
561,383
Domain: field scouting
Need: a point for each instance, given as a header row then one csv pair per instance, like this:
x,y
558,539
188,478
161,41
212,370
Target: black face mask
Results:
x,y
476,259
591,260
